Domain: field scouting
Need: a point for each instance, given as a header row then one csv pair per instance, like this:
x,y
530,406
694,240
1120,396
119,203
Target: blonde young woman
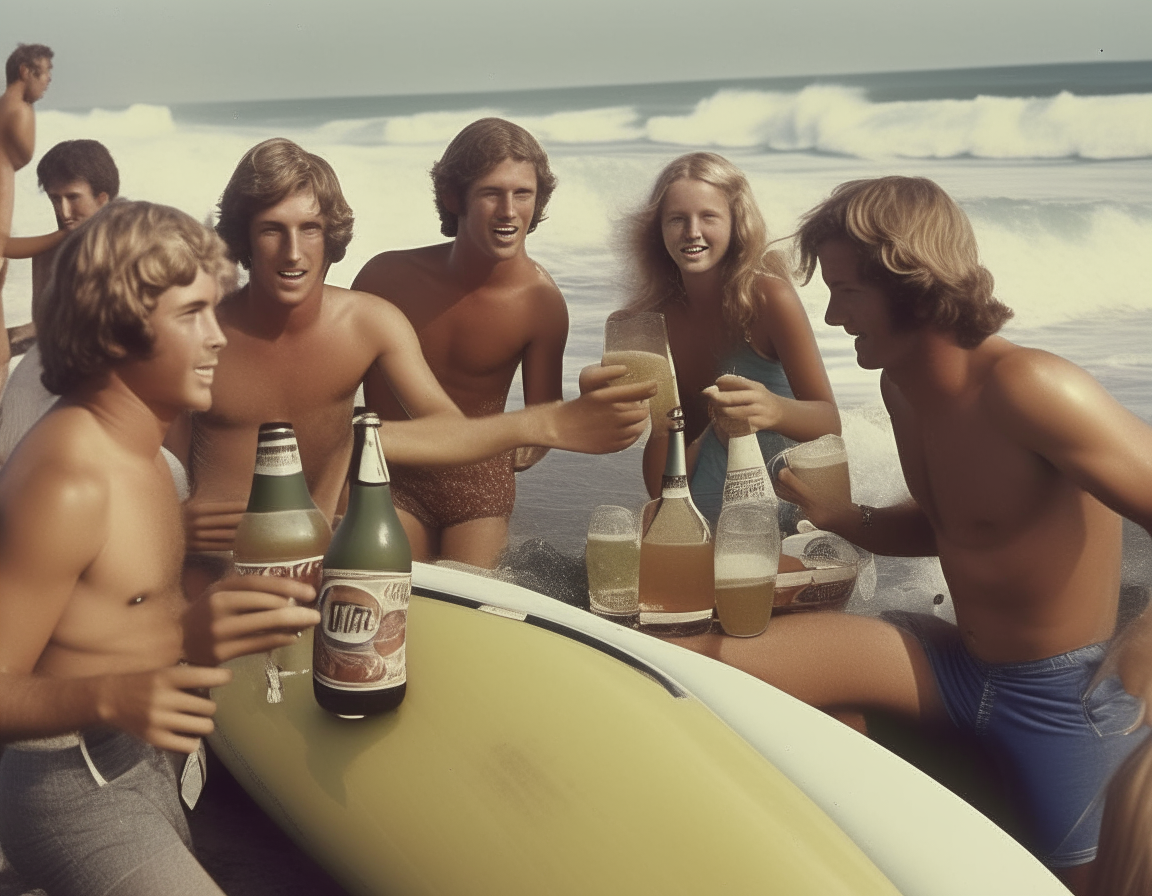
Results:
x,y
738,333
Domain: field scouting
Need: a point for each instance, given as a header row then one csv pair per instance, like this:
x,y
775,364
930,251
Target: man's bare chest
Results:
x,y
975,484
260,383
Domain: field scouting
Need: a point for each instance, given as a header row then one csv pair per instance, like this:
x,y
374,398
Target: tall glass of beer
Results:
x,y
612,556
747,559
639,341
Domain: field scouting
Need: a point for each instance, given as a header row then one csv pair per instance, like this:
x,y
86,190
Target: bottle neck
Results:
x,y
744,452
278,482
368,465
675,481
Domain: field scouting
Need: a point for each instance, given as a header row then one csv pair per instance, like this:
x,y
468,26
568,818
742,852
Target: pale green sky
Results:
x,y
160,51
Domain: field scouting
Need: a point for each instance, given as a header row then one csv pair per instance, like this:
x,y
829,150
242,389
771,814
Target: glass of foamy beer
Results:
x,y
612,555
639,341
746,561
822,465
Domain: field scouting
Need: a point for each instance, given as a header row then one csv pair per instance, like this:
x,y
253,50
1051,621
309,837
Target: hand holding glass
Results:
x,y
822,465
640,342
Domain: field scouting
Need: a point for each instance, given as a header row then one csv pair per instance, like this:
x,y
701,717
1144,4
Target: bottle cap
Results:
x,y
364,417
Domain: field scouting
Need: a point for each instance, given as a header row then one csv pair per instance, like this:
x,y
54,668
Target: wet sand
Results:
x,y
244,851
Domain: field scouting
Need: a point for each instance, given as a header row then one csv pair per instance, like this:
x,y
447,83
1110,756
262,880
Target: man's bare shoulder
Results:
x,y
365,314
58,469
393,274
1020,378
1037,396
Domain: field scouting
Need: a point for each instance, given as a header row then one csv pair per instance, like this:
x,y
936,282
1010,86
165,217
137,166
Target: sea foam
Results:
x,y
841,120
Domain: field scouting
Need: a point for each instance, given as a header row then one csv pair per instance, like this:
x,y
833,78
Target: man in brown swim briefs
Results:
x,y
480,307
299,348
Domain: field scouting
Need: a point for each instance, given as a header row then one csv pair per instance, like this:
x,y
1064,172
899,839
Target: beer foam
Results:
x,y
733,570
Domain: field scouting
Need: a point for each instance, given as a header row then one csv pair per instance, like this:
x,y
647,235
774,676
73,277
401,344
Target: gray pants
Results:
x,y
102,818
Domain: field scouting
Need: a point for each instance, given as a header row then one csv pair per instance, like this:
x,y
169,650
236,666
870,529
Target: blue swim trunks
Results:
x,y
1055,744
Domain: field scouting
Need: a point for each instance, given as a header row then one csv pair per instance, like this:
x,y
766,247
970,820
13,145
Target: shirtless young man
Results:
x,y
480,307
1019,467
79,178
299,349
28,72
93,680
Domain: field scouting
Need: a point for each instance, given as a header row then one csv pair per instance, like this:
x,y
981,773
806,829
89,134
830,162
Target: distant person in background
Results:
x,y
481,307
79,177
700,256
28,72
298,350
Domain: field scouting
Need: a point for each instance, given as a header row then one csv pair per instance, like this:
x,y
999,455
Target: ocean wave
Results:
x,y
841,120
139,121
618,124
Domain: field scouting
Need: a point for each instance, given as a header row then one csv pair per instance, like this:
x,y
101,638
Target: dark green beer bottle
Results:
x,y
358,662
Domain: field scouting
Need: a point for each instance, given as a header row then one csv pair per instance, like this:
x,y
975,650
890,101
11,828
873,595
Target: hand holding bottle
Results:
x,y
736,400
240,615
211,525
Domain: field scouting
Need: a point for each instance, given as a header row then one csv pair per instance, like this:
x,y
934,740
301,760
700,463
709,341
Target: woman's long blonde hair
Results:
x,y
656,280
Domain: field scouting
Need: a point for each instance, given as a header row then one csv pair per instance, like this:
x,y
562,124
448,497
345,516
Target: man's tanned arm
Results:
x,y
31,246
542,364
599,422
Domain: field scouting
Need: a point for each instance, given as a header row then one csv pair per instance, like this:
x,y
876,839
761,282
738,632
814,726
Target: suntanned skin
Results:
x,y
480,307
1019,466
697,224
298,350
17,144
73,203
91,544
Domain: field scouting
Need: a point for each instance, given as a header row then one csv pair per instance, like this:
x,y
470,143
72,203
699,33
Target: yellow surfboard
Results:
x,y
528,758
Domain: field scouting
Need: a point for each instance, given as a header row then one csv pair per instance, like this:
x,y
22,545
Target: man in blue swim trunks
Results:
x,y
1019,467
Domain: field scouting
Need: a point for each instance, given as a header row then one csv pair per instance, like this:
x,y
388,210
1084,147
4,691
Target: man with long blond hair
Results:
x,y
1019,467
98,674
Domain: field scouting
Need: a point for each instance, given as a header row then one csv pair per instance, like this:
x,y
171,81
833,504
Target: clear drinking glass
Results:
x,y
746,562
640,342
612,556
821,464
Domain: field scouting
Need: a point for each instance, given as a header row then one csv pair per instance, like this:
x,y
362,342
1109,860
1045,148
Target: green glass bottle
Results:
x,y
282,531
358,662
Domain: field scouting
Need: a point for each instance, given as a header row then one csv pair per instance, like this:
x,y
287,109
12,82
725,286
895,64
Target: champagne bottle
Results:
x,y
358,664
676,575
747,476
